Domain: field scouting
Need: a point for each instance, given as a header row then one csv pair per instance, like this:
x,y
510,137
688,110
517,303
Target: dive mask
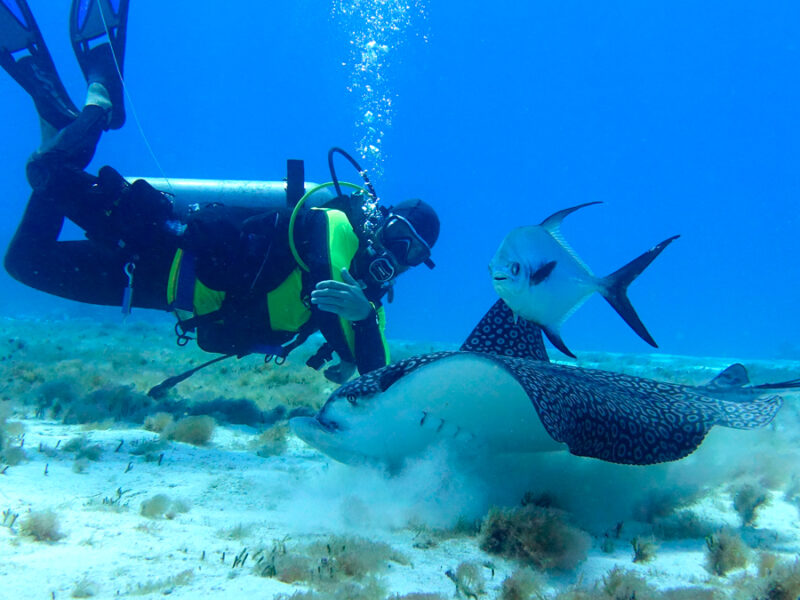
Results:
x,y
398,246
407,246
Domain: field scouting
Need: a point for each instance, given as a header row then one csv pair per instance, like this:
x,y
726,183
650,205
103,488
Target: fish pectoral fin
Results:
x,y
614,288
554,335
542,273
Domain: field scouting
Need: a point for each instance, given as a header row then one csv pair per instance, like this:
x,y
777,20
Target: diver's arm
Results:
x,y
372,351
346,300
350,323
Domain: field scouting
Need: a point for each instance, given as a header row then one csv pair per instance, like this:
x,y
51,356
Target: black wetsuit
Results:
x,y
90,270
133,224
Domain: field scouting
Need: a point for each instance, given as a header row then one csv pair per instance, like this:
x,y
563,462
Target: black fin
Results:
x,y
98,29
18,30
615,287
555,339
95,20
500,332
24,56
734,376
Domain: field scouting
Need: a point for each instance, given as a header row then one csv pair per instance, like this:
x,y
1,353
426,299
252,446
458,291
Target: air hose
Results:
x,y
356,166
299,205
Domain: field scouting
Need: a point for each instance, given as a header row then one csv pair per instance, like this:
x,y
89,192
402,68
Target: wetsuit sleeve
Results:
x,y
371,349
331,245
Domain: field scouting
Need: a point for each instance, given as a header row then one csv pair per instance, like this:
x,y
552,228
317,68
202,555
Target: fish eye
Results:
x,y
352,399
515,269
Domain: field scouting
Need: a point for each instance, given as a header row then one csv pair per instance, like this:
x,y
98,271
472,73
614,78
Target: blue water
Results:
x,y
680,116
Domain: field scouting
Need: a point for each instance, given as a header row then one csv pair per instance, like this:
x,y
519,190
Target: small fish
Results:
x,y
542,280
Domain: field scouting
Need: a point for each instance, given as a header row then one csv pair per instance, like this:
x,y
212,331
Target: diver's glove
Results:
x,y
340,372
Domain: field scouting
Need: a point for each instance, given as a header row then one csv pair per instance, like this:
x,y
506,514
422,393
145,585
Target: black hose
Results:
x,y
160,390
335,179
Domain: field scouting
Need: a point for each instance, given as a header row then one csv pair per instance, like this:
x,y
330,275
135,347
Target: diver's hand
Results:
x,y
344,298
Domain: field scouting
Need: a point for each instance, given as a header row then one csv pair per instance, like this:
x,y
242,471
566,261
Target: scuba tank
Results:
x,y
189,194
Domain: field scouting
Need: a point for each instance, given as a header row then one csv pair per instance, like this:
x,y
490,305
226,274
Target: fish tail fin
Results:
x,y
614,288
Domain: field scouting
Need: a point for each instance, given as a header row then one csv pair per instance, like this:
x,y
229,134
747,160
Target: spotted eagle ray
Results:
x,y
499,393
543,280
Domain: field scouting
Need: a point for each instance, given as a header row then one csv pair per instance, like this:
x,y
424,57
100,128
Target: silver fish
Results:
x,y
543,280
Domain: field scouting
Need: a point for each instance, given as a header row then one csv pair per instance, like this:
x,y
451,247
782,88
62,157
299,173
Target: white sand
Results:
x,y
300,496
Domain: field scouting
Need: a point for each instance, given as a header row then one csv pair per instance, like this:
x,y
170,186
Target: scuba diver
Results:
x,y
241,279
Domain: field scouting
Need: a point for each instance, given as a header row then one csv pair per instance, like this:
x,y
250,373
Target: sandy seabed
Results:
x,y
97,502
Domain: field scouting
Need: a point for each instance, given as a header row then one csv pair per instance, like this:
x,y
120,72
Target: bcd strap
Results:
x,y
295,181
184,298
184,292
277,353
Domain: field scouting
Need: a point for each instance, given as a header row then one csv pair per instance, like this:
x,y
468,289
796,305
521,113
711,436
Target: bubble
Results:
x,y
376,30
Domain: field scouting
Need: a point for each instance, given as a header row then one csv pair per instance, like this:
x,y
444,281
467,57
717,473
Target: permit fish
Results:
x,y
500,394
543,280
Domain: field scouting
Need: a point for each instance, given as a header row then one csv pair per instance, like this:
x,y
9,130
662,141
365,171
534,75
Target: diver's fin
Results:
x,y
555,338
734,376
24,56
98,29
614,289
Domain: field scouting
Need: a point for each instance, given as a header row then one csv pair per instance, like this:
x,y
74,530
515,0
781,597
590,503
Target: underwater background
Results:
x,y
682,117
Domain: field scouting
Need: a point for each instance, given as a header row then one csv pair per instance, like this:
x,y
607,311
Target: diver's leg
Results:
x,y
107,208
83,270
61,160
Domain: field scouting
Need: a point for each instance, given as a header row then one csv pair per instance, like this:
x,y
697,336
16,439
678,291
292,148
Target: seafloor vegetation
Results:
x,y
73,393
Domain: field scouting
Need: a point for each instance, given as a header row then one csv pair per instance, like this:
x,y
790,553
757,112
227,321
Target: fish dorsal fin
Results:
x,y
500,332
734,376
552,225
